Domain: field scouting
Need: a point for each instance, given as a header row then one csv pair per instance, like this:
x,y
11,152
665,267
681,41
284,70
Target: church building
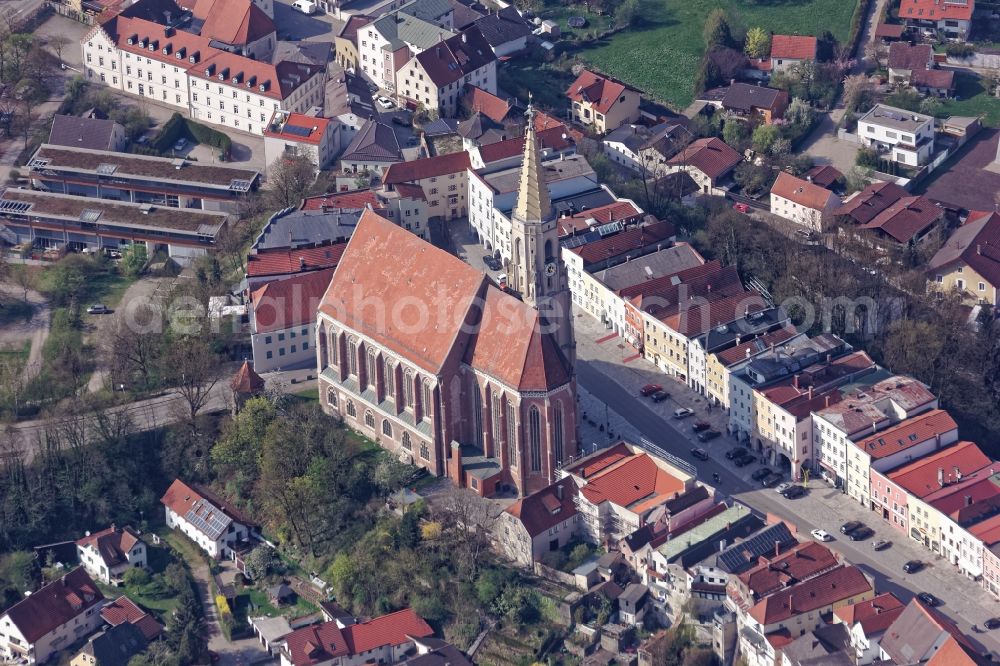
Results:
x,y
428,357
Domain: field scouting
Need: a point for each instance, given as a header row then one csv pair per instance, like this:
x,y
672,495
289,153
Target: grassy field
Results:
x,y
661,56
596,23
973,101
546,82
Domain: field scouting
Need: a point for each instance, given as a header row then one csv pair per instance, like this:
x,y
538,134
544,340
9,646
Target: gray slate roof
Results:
x,y
298,228
665,262
93,133
503,26
374,142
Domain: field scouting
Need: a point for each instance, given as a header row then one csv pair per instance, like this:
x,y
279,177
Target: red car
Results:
x,y
650,389
742,207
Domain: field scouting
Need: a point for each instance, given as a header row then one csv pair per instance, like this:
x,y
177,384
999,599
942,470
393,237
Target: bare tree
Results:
x,y
22,277
289,179
132,352
57,43
193,369
472,520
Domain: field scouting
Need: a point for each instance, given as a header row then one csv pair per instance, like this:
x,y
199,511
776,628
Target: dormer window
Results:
x,y
236,79
262,87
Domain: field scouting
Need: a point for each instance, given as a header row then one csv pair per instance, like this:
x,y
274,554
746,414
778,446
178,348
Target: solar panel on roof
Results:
x,y
105,169
743,555
38,163
8,206
90,215
296,130
213,523
239,185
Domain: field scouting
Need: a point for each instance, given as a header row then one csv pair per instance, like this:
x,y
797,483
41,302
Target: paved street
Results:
x,y
604,372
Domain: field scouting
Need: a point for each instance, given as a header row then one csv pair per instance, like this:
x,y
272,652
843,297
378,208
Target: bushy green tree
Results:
x,y
758,43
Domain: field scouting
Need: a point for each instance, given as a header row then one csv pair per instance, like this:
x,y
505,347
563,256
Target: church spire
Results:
x,y
533,203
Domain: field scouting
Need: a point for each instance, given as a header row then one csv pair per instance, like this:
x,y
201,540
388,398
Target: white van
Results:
x,y
305,6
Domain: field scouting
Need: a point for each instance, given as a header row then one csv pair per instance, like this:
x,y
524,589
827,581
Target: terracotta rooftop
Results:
x,y
612,212
869,202
56,604
310,129
907,219
876,402
918,633
824,175
112,544
623,243
920,477
908,433
478,100
246,380
975,244
793,47
701,317
124,609
553,138
733,355
801,191
801,562
354,200
636,482
936,10
236,22
934,78
456,57
289,261
288,303
712,156
838,584
541,510
428,167
875,615
910,56
602,92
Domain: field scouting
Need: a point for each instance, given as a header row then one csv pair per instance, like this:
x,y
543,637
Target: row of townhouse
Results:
x,y
187,71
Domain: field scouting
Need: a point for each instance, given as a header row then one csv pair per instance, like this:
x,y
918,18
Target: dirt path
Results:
x,y
35,329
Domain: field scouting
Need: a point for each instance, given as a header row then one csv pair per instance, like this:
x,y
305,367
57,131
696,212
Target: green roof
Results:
x,y
676,546
413,23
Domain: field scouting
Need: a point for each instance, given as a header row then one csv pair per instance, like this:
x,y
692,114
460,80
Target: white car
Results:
x,y
384,102
683,413
782,487
821,535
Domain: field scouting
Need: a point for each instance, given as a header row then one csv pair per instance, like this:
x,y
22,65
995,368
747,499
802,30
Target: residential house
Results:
x,y
236,26
282,263
404,204
906,222
898,135
51,619
828,645
952,17
881,451
435,78
632,604
788,52
389,42
555,141
868,402
480,130
539,523
386,639
442,178
346,42
803,202
216,528
114,646
964,512
602,102
864,206
300,134
708,161
93,133
283,321
746,101
140,179
645,149
904,488
123,610
969,261
934,82
108,554
887,33
721,364
505,31
826,176
905,59
373,150
923,635
867,621
798,606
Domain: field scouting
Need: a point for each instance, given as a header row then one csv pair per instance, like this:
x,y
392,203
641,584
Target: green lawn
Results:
x,y
661,56
546,82
262,605
596,23
973,101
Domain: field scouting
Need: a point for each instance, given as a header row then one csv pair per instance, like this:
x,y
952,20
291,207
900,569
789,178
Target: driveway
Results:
x,y
293,25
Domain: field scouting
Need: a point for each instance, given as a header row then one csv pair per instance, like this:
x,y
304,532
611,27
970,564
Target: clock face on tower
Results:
x,y
550,268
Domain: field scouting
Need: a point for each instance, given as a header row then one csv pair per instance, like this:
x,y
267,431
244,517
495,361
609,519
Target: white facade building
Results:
x,y
214,528
898,135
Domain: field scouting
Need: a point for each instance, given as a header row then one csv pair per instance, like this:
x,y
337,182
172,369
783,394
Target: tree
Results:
x,y
907,98
192,368
758,43
136,578
132,346
859,92
764,137
930,106
736,133
261,562
133,259
717,31
857,179
627,13
57,43
290,178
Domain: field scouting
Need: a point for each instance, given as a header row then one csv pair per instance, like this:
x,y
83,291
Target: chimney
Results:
x,y
979,248
958,473
795,381
968,500
302,263
559,491
827,401
810,392
777,547
465,38
941,476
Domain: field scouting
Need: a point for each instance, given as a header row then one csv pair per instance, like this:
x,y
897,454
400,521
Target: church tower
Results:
x,y
537,269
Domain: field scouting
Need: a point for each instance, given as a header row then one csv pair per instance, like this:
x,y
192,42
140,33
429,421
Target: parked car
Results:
x,y
307,7
913,566
682,413
992,623
793,492
98,309
492,262
180,144
736,452
660,396
402,120
745,460
782,487
771,480
384,102
861,534
821,535
708,435
850,526
700,454
741,207
929,599
700,425
759,474
881,544
650,389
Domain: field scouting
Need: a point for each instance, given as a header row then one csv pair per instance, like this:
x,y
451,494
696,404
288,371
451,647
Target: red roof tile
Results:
x,y
615,211
824,175
428,167
624,242
314,127
801,562
976,244
869,202
540,511
554,138
631,480
124,609
491,106
910,56
920,477
907,219
112,544
246,380
935,10
908,433
875,615
701,317
238,22
602,92
282,304
392,629
315,644
55,604
354,200
291,261
824,590
279,81
601,461
793,47
889,31
452,59
738,353
712,156
943,79
803,192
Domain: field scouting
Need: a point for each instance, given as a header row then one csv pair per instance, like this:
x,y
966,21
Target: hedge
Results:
x,y
180,127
